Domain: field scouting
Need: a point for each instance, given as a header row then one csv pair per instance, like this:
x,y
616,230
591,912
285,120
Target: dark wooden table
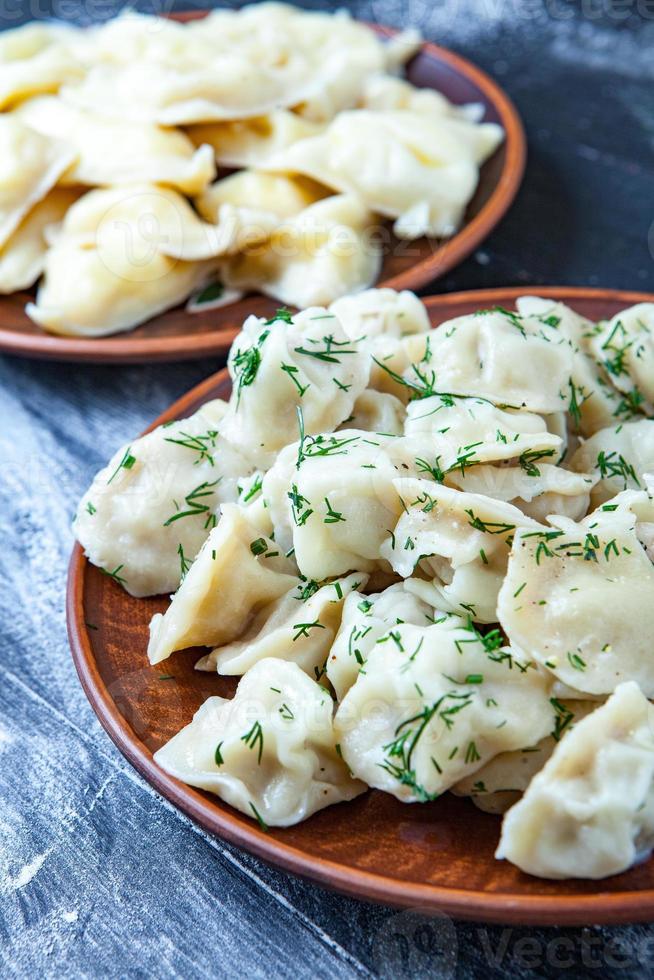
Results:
x,y
101,878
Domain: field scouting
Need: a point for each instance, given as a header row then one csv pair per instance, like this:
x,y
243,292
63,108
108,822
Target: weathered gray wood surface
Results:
x,y
98,876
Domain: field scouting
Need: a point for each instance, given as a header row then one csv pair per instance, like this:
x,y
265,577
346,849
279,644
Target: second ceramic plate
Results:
x,y
435,856
178,335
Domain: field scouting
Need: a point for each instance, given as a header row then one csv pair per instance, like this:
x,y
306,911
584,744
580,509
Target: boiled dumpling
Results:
x,y
249,142
254,191
173,95
146,514
538,489
332,498
625,348
314,257
593,401
22,257
110,270
300,626
159,219
433,705
365,619
579,598
288,372
619,456
461,539
461,433
377,411
409,166
378,313
501,782
384,92
589,813
30,166
37,57
279,767
236,573
495,354
112,151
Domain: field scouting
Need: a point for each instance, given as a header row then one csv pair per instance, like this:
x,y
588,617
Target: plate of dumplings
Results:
x,y
165,177
375,602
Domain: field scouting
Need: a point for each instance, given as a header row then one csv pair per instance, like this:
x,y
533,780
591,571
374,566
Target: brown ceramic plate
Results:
x,y
177,335
435,856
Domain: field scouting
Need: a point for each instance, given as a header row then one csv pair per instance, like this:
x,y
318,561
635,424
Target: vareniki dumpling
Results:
x,y
37,57
111,151
495,354
279,767
249,142
579,598
299,626
22,257
119,260
213,605
323,252
590,811
366,618
302,371
412,167
30,166
433,705
146,514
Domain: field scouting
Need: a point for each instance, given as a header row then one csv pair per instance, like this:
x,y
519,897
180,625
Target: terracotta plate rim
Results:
x,y
122,348
604,907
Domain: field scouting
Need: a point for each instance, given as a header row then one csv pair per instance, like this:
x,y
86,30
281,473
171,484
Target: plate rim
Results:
x,y
121,348
602,907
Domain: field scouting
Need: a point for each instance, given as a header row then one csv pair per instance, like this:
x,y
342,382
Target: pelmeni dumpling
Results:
x,y
299,626
249,142
589,813
215,605
501,782
365,619
377,411
433,705
384,92
321,253
146,514
291,372
338,502
381,313
22,257
279,767
409,166
579,598
538,489
30,166
37,57
461,539
111,151
625,348
233,87
494,354
593,403
116,262
254,191
159,219
461,433
619,456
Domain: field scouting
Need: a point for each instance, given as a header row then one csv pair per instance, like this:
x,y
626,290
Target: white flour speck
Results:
x,y
26,874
